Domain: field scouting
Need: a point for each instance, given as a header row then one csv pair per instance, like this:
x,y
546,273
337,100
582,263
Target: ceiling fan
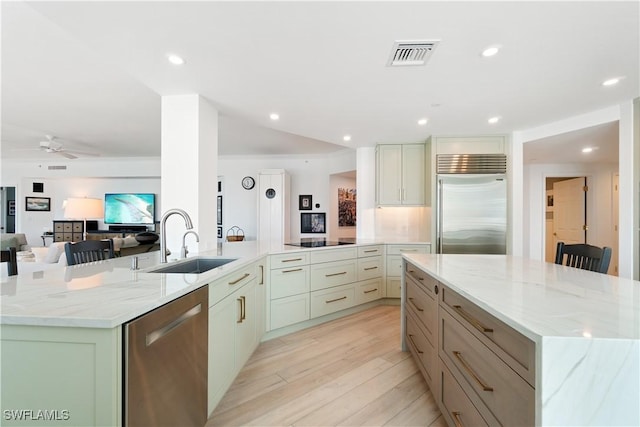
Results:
x,y
51,145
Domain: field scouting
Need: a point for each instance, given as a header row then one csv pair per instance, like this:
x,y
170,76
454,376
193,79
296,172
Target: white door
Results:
x,y
613,267
569,211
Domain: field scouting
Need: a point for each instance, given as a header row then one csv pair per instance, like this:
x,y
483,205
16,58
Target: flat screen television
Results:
x,y
129,208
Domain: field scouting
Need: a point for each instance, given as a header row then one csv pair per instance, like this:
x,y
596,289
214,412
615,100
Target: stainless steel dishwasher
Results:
x,y
165,369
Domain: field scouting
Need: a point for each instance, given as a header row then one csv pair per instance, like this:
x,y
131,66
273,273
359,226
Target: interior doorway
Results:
x,y
8,209
566,213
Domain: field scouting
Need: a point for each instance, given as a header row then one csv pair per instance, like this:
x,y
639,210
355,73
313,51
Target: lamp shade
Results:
x,y
84,208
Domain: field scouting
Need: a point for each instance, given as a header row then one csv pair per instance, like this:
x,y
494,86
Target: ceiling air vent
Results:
x,y
411,52
57,168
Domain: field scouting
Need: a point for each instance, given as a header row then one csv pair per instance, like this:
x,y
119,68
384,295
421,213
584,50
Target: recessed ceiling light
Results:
x,y
347,138
490,51
494,120
175,59
587,150
274,116
422,122
611,82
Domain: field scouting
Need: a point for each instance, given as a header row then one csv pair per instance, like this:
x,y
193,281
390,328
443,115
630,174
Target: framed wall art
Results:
x,y
313,222
38,204
304,202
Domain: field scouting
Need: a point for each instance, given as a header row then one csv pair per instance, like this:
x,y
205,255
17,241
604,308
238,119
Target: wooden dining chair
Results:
x,y
9,256
586,257
88,251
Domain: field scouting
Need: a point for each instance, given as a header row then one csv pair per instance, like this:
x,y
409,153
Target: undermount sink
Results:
x,y
194,265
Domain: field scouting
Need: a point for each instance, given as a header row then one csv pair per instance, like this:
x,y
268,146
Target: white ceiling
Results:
x,y
92,73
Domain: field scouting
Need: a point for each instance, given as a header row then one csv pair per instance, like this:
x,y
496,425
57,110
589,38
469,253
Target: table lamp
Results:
x,y
84,208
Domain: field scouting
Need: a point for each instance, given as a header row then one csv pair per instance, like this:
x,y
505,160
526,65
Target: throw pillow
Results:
x,y
8,242
55,250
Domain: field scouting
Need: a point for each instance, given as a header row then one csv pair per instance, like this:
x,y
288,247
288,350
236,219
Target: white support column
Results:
x,y
189,169
629,187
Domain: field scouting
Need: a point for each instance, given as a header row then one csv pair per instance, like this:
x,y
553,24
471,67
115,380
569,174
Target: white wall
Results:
x,y
309,175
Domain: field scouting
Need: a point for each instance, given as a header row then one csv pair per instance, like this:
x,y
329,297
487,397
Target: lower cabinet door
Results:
x,y
394,287
222,326
289,310
331,300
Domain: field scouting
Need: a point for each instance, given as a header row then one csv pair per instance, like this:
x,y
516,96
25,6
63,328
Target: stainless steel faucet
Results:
x,y
163,230
184,251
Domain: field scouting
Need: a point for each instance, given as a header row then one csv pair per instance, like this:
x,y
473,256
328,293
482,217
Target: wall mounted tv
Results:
x,y
129,208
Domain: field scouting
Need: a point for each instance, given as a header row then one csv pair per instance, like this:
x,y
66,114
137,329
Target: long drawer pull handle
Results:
x,y
372,290
414,304
291,271
244,276
334,300
161,332
456,419
476,323
370,268
335,274
291,260
415,345
408,250
466,366
370,250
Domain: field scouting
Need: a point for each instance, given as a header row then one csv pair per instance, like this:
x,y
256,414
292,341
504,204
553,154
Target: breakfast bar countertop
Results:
x,y
106,294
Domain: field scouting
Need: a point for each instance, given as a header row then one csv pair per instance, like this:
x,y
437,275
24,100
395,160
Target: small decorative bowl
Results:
x,y
147,237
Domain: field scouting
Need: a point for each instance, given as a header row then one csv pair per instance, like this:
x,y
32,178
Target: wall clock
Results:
x,y
248,183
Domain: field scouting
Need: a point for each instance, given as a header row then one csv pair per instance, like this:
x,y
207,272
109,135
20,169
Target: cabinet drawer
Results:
x,y
424,352
331,300
292,259
332,274
513,347
223,286
329,255
289,281
289,310
509,397
77,227
365,251
425,308
58,227
394,288
421,277
369,268
401,249
457,407
67,227
369,290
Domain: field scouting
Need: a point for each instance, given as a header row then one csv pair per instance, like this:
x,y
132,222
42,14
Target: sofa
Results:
x,y
14,240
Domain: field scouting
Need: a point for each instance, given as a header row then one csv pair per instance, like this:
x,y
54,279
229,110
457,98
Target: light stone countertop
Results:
x,y
108,293
541,299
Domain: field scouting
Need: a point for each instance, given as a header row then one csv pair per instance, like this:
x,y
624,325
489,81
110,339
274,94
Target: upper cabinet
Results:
x,y
490,144
402,174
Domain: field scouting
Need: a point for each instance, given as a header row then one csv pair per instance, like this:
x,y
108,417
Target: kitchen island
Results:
x,y
582,330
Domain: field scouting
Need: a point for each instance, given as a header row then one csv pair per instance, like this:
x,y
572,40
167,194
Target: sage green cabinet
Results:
x,y
402,174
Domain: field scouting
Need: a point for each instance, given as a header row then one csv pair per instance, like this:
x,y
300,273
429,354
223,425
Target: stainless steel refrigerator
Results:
x,y
471,215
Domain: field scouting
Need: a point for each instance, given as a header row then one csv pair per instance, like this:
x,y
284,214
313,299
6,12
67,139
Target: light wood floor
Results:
x,y
349,372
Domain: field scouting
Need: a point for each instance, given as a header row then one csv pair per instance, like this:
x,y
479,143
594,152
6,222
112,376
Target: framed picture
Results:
x,y
346,207
42,204
11,211
219,232
312,223
304,202
219,210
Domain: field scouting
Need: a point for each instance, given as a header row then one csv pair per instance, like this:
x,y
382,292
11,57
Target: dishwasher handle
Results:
x,y
161,332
